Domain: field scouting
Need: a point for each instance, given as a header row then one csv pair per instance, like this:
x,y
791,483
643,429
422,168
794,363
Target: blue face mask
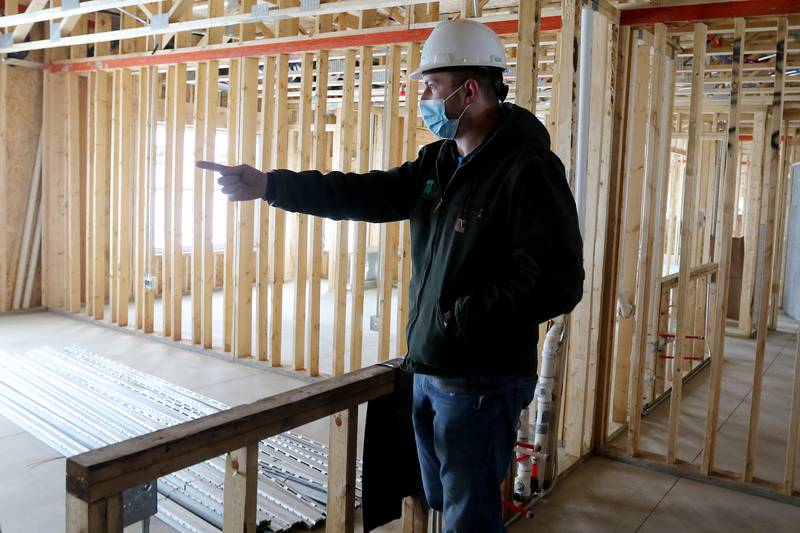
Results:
x,y
435,117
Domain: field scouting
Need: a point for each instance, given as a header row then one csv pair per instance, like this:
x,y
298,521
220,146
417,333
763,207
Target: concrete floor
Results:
x,y
599,495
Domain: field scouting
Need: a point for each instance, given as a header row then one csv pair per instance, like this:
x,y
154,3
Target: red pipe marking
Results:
x,y
701,12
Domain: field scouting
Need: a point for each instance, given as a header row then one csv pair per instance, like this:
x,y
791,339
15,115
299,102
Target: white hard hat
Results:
x,y
461,43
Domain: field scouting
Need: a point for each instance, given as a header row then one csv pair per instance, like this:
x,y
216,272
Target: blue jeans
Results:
x,y
465,436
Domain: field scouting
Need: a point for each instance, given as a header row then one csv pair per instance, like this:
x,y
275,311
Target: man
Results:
x,y
496,250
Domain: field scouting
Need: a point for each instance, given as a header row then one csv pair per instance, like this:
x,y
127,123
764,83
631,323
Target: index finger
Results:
x,y
211,165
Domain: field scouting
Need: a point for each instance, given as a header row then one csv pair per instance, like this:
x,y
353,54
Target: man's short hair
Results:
x,y
489,79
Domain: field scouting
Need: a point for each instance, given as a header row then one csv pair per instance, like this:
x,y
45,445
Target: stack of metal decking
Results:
x,y
75,400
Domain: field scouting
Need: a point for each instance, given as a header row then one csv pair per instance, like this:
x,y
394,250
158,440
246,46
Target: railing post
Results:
x,y
103,516
415,515
342,472
240,490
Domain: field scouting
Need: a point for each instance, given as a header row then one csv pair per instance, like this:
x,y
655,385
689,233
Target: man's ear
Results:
x,y
471,91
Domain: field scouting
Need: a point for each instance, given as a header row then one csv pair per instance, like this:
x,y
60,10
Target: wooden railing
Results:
x,y
97,478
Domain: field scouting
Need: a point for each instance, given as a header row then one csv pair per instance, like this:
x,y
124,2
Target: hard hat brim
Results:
x,y
417,74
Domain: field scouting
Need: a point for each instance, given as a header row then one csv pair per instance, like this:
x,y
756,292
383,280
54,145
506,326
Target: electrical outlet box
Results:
x,y
374,323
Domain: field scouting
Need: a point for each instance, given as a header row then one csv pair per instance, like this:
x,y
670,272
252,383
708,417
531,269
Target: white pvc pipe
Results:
x,y
54,13
37,241
584,95
30,213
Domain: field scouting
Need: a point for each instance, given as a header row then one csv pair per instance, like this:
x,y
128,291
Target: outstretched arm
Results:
x,y
377,196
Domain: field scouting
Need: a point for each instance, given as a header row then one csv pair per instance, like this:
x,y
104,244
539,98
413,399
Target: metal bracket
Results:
x,y
55,31
159,21
308,5
6,40
260,11
66,5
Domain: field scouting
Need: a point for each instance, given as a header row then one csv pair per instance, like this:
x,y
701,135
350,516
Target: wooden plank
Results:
x,y
567,112
646,235
248,124
634,171
316,228
230,210
363,162
404,239
278,219
530,18
752,216
104,516
176,247
241,490
723,252
89,190
200,131
125,182
262,266
782,214
414,515
340,510
618,93
388,231
102,127
74,157
114,192
772,174
149,302
794,425
346,153
141,220
98,473
301,238
687,235
169,167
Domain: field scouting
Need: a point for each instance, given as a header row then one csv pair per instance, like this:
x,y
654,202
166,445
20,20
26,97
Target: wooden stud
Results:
x,y
342,472
634,171
723,252
230,210
301,238
752,221
89,203
262,261
149,301
125,184
794,425
404,240
114,193
102,516
247,126
315,239
277,227
646,235
414,516
200,131
363,162
141,222
567,114
388,231
346,153
73,194
102,126
176,246
169,167
241,490
687,235
530,16
772,174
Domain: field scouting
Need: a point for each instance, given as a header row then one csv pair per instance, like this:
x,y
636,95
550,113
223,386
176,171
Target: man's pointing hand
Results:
x,y
239,183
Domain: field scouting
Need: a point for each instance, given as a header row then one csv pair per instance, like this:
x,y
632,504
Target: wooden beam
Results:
x,y
530,19
687,235
228,282
723,253
340,509
241,490
346,153
102,128
125,182
114,193
772,174
278,216
363,143
321,164
200,103
264,211
176,247
247,124
74,157
705,11
301,239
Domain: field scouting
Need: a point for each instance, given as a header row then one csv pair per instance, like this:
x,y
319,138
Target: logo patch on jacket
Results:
x,y
430,190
